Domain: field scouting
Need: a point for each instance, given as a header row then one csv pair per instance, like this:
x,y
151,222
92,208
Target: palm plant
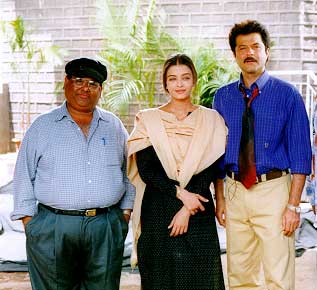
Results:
x,y
17,35
135,50
213,71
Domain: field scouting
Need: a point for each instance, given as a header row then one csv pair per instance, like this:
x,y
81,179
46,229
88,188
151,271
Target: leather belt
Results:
x,y
90,212
263,177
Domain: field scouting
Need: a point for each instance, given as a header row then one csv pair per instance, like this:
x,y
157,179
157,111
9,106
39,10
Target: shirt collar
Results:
x,y
63,113
260,82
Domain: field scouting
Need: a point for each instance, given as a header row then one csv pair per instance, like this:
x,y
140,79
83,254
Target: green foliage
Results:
x,y
18,37
135,49
213,70
25,50
134,54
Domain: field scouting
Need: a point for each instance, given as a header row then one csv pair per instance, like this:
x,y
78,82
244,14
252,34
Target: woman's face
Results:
x,y
179,81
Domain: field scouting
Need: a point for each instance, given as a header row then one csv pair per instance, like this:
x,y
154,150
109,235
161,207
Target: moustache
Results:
x,y
250,59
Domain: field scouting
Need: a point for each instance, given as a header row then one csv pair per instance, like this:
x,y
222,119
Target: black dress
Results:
x,y
187,262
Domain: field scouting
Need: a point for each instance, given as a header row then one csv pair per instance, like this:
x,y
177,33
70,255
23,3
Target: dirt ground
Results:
x,y
306,276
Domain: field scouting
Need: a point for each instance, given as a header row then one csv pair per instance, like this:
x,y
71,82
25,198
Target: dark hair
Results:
x,y
176,59
247,27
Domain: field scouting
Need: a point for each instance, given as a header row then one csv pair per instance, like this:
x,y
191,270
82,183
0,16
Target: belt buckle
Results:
x,y
90,212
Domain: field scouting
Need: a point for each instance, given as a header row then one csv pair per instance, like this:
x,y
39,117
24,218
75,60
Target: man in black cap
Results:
x,y
71,190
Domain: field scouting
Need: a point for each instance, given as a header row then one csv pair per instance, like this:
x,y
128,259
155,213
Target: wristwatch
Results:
x,y
294,208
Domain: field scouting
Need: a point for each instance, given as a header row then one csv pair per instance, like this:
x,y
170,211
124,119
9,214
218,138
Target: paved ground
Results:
x,y
306,265
306,276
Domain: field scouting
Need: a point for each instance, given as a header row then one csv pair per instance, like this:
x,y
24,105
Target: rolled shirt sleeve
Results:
x,y
129,195
298,136
24,176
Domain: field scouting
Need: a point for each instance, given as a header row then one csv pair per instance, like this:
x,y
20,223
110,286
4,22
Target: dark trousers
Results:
x,y
75,253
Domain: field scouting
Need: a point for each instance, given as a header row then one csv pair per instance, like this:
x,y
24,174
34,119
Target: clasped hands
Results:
x,y
192,203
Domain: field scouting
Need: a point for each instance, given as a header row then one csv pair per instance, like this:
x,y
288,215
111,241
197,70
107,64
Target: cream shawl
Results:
x,y
207,145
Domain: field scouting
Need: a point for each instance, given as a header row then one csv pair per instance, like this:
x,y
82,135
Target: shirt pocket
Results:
x,y
111,153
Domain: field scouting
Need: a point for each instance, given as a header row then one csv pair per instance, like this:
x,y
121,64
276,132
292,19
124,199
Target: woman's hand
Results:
x,y
179,223
192,201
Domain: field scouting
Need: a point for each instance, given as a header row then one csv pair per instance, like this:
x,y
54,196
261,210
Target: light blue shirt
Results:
x,y
58,166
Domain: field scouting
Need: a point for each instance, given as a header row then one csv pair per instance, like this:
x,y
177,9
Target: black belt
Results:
x,y
83,212
263,177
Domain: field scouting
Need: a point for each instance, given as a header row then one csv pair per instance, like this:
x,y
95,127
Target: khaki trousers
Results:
x,y
255,237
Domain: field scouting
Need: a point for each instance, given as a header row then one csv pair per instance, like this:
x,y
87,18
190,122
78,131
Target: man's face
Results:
x,y
81,95
250,53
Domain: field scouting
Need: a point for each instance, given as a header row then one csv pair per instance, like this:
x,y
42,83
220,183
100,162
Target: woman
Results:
x,y
174,152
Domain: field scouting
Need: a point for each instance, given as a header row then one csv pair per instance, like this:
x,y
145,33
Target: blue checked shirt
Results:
x,y
281,126
59,167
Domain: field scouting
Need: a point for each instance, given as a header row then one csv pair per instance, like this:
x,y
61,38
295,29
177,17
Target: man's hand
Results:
x,y
126,214
179,223
291,219
221,212
290,222
220,202
25,220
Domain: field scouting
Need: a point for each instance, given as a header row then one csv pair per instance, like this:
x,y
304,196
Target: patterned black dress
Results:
x,y
186,262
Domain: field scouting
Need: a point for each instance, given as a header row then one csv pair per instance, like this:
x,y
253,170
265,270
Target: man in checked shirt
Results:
x,y
70,188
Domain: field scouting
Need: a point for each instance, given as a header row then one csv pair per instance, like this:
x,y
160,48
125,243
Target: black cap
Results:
x,y
87,67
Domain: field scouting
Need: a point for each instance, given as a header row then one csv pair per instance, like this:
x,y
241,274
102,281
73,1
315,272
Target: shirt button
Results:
x,y
89,181
88,162
88,200
78,129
